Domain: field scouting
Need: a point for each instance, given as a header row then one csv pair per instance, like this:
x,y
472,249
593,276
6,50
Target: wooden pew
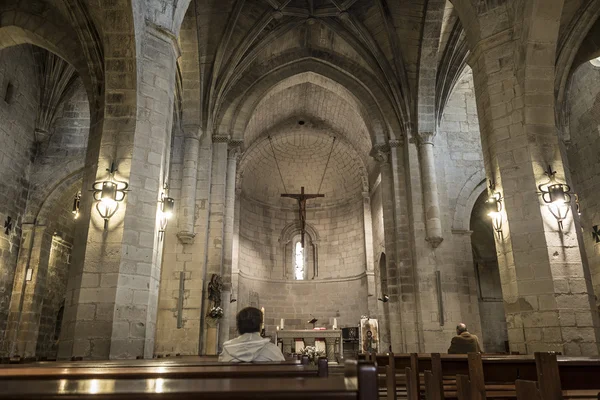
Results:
x,y
499,372
578,379
359,383
279,370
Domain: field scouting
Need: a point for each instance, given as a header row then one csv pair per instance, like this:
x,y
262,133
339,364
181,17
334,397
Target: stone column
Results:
x,y
27,296
545,282
188,184
406,275
431,202
369,260
381,154
216,231
112,294
230,197
330,348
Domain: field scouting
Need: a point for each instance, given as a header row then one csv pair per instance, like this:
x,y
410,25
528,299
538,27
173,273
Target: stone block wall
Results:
x,y
17,123
341,249
584,160
298,302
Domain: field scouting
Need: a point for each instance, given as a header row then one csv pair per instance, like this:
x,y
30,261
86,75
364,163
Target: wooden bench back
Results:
x,y
359,382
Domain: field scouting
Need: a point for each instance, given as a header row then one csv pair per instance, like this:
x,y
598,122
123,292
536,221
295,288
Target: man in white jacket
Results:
x,y
250,346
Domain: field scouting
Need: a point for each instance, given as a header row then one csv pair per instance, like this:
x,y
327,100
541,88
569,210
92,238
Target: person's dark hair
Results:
x,y
248,320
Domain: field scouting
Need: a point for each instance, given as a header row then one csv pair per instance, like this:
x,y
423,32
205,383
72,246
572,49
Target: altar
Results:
x,y
332,337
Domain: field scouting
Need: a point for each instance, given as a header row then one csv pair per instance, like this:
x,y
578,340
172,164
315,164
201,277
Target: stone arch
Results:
x,y
46,28
467,197
428,65
468,16
257,82
568,47
291,229
43,210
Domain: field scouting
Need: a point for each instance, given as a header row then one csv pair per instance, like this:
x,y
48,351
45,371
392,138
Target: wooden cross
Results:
x,y
7,225
302,197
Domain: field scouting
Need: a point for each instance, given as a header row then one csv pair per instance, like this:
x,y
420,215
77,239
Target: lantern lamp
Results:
x,y
557,196
108,194
76,203
493,206
167,206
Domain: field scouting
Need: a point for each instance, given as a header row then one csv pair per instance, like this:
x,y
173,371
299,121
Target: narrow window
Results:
x,y
299,261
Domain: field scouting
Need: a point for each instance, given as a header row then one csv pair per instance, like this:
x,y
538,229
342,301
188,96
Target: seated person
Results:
x,y
464,342
250,346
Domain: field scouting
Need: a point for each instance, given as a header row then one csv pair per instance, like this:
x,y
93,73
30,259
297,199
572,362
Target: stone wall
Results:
x,y
298,302
584,163
341,249
17,122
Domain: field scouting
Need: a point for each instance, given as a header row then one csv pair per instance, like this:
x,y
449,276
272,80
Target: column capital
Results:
x,y
165,35
192,131
491,42
380,152
425,137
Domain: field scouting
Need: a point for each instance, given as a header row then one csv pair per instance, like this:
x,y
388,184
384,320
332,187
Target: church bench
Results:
x,y
500,373
222,370
358,383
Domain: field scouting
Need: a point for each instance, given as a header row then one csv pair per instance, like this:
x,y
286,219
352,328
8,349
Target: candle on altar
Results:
x,y
281,324
277,327
335,323
262,323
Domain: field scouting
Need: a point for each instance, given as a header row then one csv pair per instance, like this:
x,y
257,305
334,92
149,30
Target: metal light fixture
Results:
x,y
108,194
557,196
493,206
167,205
76,203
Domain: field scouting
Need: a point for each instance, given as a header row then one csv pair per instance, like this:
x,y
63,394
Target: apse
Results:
x,y
304,137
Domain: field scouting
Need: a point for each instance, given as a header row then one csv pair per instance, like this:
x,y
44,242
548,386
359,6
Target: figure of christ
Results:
x,y
302,197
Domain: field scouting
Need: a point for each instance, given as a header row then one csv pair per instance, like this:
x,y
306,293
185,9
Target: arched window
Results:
x,y
299,264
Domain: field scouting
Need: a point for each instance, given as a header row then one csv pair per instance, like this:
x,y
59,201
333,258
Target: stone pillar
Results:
x,y
381,154
27,296
112,294
545,282
230,197
188,184
369,259
216,229
406,275
431,202
330,348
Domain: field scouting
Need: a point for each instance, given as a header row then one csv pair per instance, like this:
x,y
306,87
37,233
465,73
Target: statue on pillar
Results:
x,y
215,286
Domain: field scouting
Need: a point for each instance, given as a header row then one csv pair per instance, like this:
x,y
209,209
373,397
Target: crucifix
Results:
x,y
302,197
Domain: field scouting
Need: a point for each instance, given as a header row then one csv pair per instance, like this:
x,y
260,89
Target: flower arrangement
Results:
x,y
216,312
312,353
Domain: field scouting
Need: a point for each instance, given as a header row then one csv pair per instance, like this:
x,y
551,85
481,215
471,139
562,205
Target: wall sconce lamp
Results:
x,y
76,203
557,196
108,194
493,206
167,205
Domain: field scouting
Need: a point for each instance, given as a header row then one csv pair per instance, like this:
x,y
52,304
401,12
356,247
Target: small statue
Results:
x,y
214,290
